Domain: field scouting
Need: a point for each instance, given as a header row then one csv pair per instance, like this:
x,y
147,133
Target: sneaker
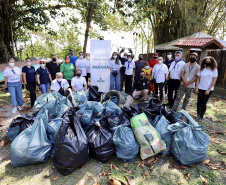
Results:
x,y
200,120
19,108
14,110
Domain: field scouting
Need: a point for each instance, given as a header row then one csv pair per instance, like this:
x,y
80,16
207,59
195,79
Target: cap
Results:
x,y
156,54
169,53
147,63
194,53
160,58
41,61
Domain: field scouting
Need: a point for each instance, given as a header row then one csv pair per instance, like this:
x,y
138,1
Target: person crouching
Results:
x,y
59,84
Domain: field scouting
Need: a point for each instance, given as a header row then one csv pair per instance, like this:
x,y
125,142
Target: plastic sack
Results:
x,y
111,107
100,143
94,95
32,145
80,96
19,124
189,143
148,138
86,119
160,123
71,145
110,121
126,145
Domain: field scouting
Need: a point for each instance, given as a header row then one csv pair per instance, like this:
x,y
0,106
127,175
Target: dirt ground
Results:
x,y
157,170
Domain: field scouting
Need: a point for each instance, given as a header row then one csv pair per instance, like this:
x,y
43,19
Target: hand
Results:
x,y
130,50
207,92
6,86
186,84
167,78
40,87
196,90
122,50
25,83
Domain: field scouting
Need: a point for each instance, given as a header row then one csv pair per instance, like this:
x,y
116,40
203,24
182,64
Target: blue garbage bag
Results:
x,y
161,123
126,145
111,107
86,119
81,96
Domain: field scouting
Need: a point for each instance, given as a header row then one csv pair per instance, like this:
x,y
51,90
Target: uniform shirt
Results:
x,y
190,73
12,76
139,66
78,83
30,73
114,66
168,62
82,64
141,84
129,66
160,71
153,62
206,78
55,85
148,73
53,68
67,70
73,60
43,75
175,69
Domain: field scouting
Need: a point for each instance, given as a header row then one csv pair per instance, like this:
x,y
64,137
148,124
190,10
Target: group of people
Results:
x,y
140,78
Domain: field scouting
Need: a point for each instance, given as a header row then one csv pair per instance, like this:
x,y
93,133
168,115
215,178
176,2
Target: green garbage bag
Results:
x,y
148,138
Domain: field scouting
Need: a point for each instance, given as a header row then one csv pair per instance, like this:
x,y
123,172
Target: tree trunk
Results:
x,y
89,14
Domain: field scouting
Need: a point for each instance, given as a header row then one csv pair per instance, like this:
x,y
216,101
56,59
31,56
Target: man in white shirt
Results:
x,y
174,77
78,82
129,71
82,64
59,84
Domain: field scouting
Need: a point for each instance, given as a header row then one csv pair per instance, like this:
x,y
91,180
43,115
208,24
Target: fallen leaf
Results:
x,y
115,167
203,179
147,164
155,160
221,152
217,164
144,175
55,178
36,170
85,165
130,180
214,140
176,167
4,142
173,161
125,165
101,173
142,164
183,167
180,182
151,160
124,183
114,182
206,161
170,165
220,132
186,175
127,171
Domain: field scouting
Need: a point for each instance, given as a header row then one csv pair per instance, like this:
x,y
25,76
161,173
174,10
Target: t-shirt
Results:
x,y
73,60
114,66
53,68
129,66
78,83
175,69
67,70
43,75
153,62
30,73
139,66
160,72
88,65
140,84
13,75
148,73
168,63
190,73
206,78
55,85
82,64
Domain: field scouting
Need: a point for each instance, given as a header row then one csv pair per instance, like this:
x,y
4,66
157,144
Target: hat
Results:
x,y
147,63
160,58
156,54
41,61
169,53
194,53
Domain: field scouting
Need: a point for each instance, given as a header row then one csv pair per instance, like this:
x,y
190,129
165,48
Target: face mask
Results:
x,y
177,58
28,63
140,58
59,79
208,64
78,75
42,65
160,61
129,59
155,57
11,64
125,57
192,60
169,56
114,56
81,56
88,58
54,59
72,53
67,60
146,67
141,76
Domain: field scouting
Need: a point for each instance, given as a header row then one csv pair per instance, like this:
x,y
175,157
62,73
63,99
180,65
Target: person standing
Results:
x,y
88,67
207,77
43,77
174,77
159,73
73,58
189,76
67,69
123,68
148,74
53,66
28,73
82,64
13,81
153,61
129,71
78,83
168,62
139,65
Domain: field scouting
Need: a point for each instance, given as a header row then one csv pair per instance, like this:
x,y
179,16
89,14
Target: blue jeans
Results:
x,y
115,80
45,88
15,90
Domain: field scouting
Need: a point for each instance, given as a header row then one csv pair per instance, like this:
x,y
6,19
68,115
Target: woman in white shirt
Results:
x,y
207,77
115,66
78,83
13,81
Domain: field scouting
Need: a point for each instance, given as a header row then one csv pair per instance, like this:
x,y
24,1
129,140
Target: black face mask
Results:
x,y
140,58
142,77
78,75
155,57
192,60
208,64
54,59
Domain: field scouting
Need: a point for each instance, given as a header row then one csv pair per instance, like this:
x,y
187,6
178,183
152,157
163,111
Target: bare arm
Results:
x,y
73,88
24,78
85,86
21,78
212,84
50,78
38,79
76,67
110,69
197,84
193,80
87,68
118,70
6,80
168,77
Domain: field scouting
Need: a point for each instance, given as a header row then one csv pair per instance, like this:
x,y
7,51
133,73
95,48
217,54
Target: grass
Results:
x,y
162,172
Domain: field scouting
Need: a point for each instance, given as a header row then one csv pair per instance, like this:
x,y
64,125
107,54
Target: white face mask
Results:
x,y
160,61
169,56
115,56
129,59
28,63
42,65
125,57
81,56
11,64
87,57
59,79
146,67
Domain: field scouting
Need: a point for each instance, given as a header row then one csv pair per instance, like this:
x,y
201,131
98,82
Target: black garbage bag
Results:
x,y
153,101
110,121
71,144
19,124
94,95
101,144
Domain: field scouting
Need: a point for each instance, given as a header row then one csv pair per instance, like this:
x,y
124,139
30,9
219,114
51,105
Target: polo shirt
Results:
x,y
114,66
55,85
12,76
78,83
30,73
140,84
129,67
206,78
53,68
159,72
73,60
139,66
190,73
43,75
67,70
175,69
82,64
